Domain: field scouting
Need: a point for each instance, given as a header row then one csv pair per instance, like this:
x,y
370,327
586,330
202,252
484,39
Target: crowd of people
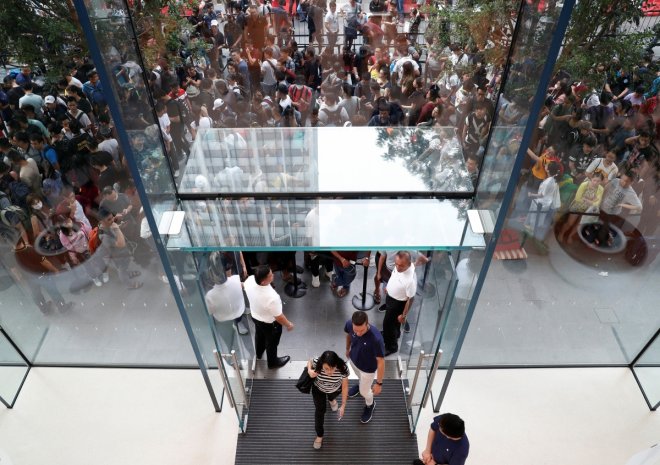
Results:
x,y
596,159
65,193
355,69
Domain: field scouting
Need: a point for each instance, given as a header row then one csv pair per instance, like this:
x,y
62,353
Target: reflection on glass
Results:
x,y
329,224
13,370
647,370
327,160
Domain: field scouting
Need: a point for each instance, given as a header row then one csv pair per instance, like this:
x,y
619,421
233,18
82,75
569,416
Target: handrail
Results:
x,y
240,378
225,381
434,370
421,359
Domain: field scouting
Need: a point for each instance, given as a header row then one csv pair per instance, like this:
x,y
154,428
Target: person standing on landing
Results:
x,y
401,289
366,350
266,310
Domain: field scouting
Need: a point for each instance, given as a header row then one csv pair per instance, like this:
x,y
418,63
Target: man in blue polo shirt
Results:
x,y
446,442
366,350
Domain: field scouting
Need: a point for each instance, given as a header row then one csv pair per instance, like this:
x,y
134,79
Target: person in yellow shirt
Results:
x,y
587,200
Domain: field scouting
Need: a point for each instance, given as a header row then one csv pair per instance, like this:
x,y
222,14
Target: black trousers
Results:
x,y
267,338
317,261
321,406
391,326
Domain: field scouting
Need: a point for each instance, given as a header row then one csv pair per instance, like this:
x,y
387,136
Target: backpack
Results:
x,y
94,240
43,164
299,95
10,214
18,191
334,117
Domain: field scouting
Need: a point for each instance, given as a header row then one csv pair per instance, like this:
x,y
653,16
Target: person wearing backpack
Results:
x,y
78,115
330,113
47,155
27,169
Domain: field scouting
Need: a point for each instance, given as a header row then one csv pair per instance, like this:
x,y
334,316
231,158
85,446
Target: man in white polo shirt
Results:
x,y
401,289
266,308
225,301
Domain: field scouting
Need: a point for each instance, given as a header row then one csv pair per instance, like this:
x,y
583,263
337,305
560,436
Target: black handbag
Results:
x,y
305,382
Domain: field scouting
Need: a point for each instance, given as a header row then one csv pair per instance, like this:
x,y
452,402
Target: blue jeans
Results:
x,y
344,276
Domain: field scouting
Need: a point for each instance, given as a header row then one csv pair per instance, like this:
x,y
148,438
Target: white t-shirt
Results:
x,y
402,286
265,302
331,22
225,301
76,82
164,122
112,147
268,72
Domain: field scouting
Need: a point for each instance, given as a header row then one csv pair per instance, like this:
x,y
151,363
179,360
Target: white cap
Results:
x,y
49,99
217,103
214,22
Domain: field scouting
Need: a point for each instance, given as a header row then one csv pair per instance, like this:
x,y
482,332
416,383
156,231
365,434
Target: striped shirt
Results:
x,y
328,383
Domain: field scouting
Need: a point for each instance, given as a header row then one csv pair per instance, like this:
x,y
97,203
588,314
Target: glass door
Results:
x,y
224,305
420,353
14,368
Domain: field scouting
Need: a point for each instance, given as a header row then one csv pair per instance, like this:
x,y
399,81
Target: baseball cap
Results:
x,y
217,103
49,99
214,22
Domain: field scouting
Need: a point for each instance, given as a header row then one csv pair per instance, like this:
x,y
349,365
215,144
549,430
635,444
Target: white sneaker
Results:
x,y
97,282
329,274
316,282
334,405
105,277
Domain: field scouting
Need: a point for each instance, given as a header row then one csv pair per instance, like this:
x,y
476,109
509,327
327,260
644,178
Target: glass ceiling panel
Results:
x,y
326,160
325,224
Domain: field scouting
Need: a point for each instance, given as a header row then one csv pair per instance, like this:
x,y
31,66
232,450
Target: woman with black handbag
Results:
x,y
330,374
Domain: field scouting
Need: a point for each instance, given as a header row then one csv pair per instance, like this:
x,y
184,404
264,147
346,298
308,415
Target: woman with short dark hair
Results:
x,y
330,375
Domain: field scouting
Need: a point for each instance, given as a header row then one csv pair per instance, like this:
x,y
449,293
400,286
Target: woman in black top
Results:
x,y
330,375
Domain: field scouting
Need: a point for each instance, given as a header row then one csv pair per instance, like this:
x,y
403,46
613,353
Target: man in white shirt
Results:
x,y
225,301
331,23
266,310
401,289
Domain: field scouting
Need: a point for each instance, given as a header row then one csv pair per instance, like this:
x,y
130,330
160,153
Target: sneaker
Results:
x,y
105,277
406,327
354,391
367,413
317,444
97,282
315,281
334,405
382,308
242,328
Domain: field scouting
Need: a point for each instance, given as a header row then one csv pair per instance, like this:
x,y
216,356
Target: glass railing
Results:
x,y
325,224
327,160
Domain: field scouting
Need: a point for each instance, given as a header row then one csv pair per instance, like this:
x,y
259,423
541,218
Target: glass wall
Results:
x,y
571,282
14,369
647,371
76,291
